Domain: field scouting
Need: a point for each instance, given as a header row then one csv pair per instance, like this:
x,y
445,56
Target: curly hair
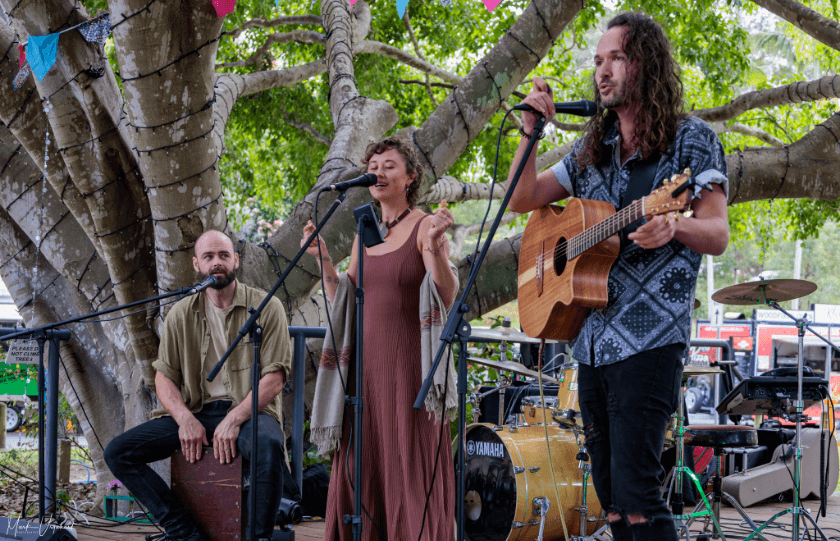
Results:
x,y
412,164
655,85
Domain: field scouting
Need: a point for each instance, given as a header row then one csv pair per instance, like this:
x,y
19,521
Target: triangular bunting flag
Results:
x,y
20,78
491,4
42,51
223,7
97,30
401,5
22,55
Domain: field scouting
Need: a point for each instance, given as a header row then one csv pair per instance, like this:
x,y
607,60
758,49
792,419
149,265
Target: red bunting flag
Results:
x,y
223,7
22,55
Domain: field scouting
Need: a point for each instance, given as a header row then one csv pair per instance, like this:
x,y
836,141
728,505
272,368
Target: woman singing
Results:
x,y
409,283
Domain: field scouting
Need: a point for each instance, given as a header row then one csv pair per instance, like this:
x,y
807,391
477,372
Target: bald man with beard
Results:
x,y
197,332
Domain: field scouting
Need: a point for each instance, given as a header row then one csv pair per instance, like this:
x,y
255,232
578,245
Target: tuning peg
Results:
x,y
688,213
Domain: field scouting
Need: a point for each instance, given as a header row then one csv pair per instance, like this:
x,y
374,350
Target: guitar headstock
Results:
x,y
672,196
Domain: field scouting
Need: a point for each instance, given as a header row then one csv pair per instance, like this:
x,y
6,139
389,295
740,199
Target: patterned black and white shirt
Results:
x,y
651,292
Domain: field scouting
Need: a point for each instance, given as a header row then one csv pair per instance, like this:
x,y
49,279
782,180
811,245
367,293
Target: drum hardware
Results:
x,y
771,292
674,480
567,418
541,507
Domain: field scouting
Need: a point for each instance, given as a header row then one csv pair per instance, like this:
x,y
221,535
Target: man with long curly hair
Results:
x,y
630,353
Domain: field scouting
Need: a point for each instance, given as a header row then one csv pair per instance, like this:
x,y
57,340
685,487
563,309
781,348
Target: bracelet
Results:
x,y
529,135
436,250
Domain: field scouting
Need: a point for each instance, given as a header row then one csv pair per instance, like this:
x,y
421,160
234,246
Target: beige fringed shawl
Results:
x,y
328,403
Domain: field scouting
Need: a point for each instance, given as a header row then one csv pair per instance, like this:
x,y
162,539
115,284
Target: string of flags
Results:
x,y
39,53
402,4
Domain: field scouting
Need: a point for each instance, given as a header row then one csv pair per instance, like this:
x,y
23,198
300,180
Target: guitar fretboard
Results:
x,y
605,229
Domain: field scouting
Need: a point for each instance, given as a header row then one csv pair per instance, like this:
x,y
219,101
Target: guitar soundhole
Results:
x,y
560,256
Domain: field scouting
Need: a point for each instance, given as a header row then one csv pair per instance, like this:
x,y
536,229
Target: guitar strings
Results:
x,y
600,228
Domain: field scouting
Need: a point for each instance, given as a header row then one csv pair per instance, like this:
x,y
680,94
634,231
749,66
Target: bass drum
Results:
x,y
507,469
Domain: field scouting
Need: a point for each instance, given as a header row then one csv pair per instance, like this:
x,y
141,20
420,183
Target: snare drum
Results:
x,y
507,469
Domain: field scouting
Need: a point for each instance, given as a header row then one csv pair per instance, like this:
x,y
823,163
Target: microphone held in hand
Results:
x,y
202,285
579,108
367,180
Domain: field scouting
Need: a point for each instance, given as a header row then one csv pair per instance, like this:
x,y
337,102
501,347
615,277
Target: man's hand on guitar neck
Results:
x,y
705,232
658,231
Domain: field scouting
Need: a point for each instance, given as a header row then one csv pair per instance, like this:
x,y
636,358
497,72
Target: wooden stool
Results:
x,y
212,494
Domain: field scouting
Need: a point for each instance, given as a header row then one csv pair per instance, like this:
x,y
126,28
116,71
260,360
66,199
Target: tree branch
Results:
x,y
417,50
805,169
305,37
460,233
389,51
823,29
818,89
743,129
306,128
259,22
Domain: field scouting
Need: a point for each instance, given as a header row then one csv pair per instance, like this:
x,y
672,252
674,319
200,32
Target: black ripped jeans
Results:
x,y
129,455
626,407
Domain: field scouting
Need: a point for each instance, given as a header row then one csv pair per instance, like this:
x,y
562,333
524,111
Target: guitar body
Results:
x,y
556,294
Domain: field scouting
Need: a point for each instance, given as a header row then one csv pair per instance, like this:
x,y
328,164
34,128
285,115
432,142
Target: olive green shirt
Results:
x,y
186,339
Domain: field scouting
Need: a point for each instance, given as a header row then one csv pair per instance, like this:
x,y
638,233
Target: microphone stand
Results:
x,y
254,331
368,236
457,328
48,450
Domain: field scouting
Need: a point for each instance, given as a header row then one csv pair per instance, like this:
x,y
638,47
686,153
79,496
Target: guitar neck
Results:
x,y
606,228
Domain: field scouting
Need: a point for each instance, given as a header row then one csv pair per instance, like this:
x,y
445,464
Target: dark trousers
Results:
x,y
626,407
129,455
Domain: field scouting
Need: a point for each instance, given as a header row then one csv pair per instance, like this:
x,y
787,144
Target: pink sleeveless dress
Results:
x,y
400,443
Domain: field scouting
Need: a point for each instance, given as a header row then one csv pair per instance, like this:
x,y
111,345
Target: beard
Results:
x,y
616,99
221,282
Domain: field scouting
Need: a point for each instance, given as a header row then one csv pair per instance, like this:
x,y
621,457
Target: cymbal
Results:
x,y
764,292
696,304
504,333
509,366
691,370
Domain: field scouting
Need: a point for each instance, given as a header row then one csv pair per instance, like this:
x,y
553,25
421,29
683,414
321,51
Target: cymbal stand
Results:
x,y
796,509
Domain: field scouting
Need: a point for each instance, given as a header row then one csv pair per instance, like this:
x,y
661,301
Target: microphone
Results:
x,y
365,181
202,285
579,108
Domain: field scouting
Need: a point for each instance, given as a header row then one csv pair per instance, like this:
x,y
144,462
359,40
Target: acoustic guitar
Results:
x,y
566,256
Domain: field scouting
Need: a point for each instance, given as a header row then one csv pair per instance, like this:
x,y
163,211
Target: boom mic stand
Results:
x,y
457,328
796,509
48,452
252,329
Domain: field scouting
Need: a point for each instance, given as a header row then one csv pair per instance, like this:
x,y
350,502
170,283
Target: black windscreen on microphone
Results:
x,y
367,180
579,108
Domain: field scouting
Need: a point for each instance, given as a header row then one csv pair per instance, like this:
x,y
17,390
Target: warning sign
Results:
x,y
23,352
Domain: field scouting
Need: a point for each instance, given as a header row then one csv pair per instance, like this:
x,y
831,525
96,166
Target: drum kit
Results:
x,y
516,472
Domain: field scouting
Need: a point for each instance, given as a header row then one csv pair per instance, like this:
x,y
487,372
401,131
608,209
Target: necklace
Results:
x,y
384,227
